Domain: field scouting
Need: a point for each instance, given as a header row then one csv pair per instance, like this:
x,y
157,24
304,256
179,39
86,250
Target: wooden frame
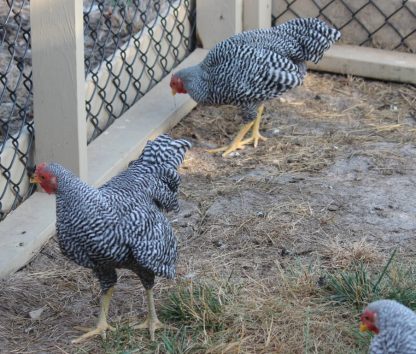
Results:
x,y
58,81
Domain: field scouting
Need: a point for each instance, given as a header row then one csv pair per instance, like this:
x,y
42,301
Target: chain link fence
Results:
x,y
385,24
16,117
130,45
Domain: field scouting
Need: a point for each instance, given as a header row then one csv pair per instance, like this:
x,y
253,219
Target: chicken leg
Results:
x,y
256,136
102,325
238,142
152,322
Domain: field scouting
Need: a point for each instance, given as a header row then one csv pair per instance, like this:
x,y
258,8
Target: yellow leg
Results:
x,y
256,136
102,325
237,143
151,323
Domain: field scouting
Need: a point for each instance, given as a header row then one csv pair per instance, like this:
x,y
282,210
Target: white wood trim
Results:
x,y
217,20
369,62
257,14
58,80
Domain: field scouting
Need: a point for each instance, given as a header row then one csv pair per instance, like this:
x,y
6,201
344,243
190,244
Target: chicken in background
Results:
x,y
394,326
252,67
121,224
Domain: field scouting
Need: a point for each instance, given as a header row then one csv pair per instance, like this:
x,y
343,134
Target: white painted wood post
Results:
x,y
217,20
257,14
59,83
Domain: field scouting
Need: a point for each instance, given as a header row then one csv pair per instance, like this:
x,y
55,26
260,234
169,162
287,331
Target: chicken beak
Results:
x,y
173,91
363,327
34,179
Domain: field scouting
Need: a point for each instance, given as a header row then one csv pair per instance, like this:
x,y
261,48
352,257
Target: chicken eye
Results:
x,y
42,177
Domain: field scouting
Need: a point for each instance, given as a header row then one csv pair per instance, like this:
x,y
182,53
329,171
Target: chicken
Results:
x,y
254,66
394,326
121,224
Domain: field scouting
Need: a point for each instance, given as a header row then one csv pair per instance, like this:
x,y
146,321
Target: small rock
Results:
x,y
284,252
333,207
29,330
190,276
218,244
234,154
35,314
321,281
296,179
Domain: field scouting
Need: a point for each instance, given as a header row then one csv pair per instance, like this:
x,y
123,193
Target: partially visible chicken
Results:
x,y
394,326
120,225
255,66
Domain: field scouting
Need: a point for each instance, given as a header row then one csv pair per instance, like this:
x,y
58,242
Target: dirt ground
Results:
x,y
334,183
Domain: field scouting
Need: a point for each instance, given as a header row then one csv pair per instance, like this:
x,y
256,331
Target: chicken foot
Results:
x,y
238,142
102,325
151,323
256,136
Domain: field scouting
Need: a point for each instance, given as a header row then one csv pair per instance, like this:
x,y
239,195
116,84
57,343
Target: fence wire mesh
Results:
x,y
386,24
130,45
16,117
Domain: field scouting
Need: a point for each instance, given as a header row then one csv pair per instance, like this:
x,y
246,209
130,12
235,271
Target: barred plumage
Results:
x,y
257,65
121,224
160,158
396,326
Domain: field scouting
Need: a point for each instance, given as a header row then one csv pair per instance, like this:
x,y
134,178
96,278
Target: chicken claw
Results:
x,y
91,332
237,144
152,322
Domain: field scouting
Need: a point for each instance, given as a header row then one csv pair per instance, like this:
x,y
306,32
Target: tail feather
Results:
x,y
161,158
164,152
313,35
300,39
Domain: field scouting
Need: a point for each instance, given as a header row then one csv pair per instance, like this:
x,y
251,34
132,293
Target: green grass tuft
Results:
x,y
181,342
354,287
123,341
361,286
199,305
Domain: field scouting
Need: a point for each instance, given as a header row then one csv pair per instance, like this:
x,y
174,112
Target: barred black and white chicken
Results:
x,y
394,326
254,66
121,224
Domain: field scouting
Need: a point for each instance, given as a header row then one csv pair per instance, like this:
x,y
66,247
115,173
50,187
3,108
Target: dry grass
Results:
x,y
272,240
344,254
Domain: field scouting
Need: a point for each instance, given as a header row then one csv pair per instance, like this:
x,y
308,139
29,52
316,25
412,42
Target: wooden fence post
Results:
x,y
257,14
217,20
59,83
